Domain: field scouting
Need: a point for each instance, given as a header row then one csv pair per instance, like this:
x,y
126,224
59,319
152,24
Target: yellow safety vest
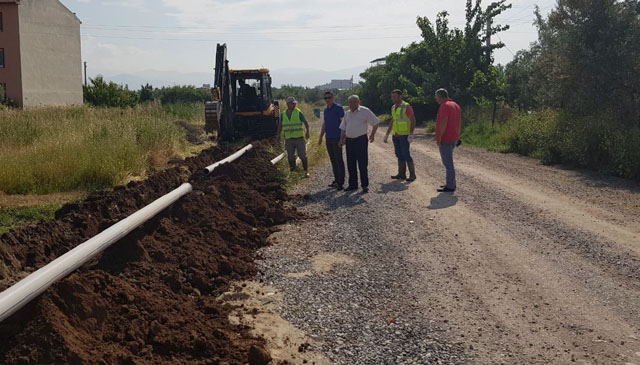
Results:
x,y
292,127
401,122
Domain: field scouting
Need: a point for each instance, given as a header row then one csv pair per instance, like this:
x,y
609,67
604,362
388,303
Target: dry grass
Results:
x,y
62,149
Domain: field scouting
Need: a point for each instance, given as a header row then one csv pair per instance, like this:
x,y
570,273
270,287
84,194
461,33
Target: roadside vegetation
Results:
x,y
11,218
311,95
51,150
573,98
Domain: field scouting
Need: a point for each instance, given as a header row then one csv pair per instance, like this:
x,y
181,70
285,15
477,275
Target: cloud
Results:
x,y
376,25
138,5
109,57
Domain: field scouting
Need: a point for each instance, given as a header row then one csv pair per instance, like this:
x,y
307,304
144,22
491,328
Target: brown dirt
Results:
x,y
151,298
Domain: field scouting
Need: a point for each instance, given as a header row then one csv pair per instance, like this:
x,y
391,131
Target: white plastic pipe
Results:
x,y
279,158
17,296
235,156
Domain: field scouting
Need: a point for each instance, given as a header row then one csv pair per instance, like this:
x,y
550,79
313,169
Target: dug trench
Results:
x,y
153,297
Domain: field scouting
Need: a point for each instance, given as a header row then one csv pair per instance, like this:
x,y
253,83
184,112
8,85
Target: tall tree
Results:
x,y
590,50
446,57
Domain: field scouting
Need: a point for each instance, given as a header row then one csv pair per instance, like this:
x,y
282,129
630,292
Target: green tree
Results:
x,y
109,94
146,93
522,84
591,52
446,57
489,88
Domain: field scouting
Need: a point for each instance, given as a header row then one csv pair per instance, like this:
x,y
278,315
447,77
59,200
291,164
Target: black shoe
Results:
x,y
446,190
365,190
339,187
411,179
399,177
333,185
351,188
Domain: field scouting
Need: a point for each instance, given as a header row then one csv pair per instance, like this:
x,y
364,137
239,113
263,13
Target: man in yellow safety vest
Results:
x,y
402,126
291,123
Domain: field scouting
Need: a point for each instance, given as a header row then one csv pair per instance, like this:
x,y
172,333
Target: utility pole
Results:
x,y
489,24
85,74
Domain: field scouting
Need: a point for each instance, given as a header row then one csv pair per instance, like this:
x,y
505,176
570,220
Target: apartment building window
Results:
x,y
1,23
1,57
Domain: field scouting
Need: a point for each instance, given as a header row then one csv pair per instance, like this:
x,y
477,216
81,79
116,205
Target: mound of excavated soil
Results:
x,y
151,298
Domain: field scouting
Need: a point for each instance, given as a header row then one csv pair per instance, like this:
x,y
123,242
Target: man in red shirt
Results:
x,y
448,127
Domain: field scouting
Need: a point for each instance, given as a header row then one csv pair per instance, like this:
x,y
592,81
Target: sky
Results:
x,y
131,36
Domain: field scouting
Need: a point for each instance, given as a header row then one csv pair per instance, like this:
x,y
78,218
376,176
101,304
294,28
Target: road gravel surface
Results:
x,y
524,264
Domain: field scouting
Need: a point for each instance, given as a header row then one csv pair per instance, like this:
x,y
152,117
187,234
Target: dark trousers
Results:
x,y
401,145
337,161
358,159
446,152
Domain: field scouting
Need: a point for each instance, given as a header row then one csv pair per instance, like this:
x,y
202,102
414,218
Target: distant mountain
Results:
x,y
313,77
292,76
161,78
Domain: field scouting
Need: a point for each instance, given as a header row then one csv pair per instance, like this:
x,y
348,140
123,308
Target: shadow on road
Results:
x,y
334,200
392,187
443,201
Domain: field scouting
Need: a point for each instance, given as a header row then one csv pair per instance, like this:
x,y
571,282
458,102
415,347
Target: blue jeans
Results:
x,y
401,145
446,153
358,159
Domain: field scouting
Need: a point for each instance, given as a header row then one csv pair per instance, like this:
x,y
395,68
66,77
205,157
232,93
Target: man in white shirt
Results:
x,y
355,127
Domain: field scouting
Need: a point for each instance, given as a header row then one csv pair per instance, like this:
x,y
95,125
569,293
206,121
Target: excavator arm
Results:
x,y
219,112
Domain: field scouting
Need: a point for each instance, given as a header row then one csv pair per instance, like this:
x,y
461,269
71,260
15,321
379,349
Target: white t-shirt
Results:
x,y
356,123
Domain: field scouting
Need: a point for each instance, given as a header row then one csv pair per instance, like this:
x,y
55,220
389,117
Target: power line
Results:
x,y
250,33
505,46
237,25
247,40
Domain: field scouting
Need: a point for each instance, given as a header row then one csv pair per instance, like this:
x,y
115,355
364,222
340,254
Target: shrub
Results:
x,y
109,94
431,127
532,134
482,135
182,94
385,118
559,138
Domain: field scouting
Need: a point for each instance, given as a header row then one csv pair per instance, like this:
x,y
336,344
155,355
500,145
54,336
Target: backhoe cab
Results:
x,y
242,105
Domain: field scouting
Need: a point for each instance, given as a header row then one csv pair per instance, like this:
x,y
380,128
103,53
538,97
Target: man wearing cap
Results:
x,y
333,116
355,127
291,123
403,125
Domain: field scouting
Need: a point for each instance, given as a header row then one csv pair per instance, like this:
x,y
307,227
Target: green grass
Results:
x,y
11,218
60,149
430,127
483,135
315,153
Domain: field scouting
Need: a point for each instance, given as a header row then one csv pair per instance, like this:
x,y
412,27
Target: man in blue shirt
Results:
x,y
333,116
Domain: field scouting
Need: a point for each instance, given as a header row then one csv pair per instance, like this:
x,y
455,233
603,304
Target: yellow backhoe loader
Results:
x,y
243,104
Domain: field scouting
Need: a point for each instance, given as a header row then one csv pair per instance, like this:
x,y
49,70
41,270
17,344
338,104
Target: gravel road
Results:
x,y
524,264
